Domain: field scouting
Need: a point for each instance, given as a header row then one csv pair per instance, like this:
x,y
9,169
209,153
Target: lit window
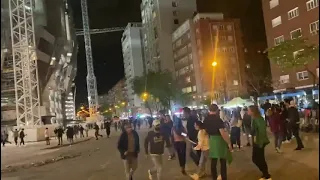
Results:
x,y
317,71
284,79
194,88
221,27
276,21
231,49
229,28
224,49
215,27
191,67
273,3
314,27
190,56
235,82
188,35
293,13
312,4
296,33
188,79
303,75
278,40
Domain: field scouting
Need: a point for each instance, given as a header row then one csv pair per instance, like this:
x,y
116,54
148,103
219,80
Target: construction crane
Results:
x,y
24,62
91,79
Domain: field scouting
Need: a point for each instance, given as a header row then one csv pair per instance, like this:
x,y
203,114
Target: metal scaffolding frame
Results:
x,y
24,62
91,79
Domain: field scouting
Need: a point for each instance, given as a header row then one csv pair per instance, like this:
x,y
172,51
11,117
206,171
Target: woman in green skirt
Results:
x,y
219,142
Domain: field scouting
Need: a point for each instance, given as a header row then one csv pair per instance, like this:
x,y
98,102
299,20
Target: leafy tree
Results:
x,y
294,53
159,85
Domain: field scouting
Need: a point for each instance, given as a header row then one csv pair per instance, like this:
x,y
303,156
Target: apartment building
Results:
x,y
199,42
288,20
133,59
117,94
159,19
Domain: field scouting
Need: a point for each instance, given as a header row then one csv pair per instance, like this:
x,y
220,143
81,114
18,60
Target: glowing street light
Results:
x,y
214,63
123,103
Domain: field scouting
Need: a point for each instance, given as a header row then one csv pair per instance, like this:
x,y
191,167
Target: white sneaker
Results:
x,y
194,176
149,175
219,177
278,150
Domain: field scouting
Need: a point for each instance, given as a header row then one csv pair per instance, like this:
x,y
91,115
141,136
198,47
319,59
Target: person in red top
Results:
x,y
276,126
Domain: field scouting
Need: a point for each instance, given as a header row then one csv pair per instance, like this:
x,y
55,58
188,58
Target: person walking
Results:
x,y
22,135
70,134
219,142
107,125
247,125
260,141
192,134
46,136
86,129
129,148
156,141
15,136
276,126
166,128
60,132
179,142
203,146
287,129
236,123
96,131
81,129
294,121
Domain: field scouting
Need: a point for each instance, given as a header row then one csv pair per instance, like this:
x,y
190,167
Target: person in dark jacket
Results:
x,y
129,148
166,128
284,115
276,126
81,129
192,134
70,134
22,135
294,121
59,135
107,125
156,141
247,125
96,131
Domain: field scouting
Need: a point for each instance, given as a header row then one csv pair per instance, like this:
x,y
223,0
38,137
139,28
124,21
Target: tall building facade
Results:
x,y
288,20
199,42
117,94
56,55
159,19
133,60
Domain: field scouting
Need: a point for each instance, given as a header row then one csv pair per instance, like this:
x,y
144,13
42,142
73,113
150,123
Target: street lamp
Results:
x,y
214,64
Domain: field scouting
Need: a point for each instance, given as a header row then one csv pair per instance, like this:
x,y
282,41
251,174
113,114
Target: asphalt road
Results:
x,y
100,160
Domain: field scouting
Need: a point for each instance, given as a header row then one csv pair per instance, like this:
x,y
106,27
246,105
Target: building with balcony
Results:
x,y
133,60
159,19
56,60
286,20
117,94
199,42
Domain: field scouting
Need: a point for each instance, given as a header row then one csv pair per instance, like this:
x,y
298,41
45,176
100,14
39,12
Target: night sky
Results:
x,y
106,48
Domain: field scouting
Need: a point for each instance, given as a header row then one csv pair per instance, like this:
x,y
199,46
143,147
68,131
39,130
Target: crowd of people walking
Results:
x,y
213,138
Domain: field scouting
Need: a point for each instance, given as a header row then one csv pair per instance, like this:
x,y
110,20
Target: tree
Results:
x,y
206,101
294,53
158,85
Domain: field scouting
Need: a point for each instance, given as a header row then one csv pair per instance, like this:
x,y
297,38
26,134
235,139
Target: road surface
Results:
x,y
100,160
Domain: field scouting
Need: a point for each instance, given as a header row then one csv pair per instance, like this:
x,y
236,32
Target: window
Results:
x,y
293,13
297,53
273,3
223,38
215,27
303,75
224,49
154,14
188,35
191,67
284,79
194,88
276,21
312,4
188,79
230,38
190,56
231,49
174,4
278,40
317,71
175,13
221,27
235,82
314,27
229,28
296,33
176,21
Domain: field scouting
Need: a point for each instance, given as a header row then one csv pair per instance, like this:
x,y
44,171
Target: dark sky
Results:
x,y
106,48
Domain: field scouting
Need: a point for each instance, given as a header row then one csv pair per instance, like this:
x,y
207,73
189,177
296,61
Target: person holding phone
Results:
x,y
179,142
219,142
